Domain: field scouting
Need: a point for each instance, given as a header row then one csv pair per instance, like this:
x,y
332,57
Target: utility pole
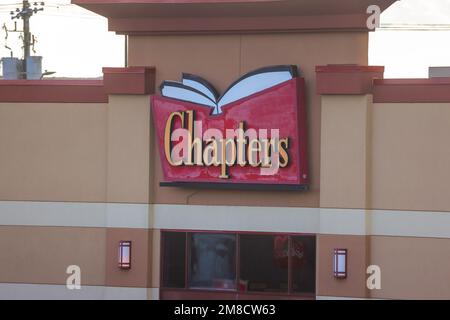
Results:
x,y
25,14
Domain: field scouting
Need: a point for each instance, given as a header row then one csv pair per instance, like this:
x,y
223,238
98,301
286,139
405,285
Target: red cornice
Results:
x,y
135,80
435,90
346,79
62,91
354,79
348,68
132,80
232,16
220,25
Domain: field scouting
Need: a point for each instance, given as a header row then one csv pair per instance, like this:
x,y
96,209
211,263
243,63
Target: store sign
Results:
x,y
254,134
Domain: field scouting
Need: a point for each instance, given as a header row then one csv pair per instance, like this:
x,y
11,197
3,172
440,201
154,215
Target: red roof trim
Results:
x,y
435,90
133,80
232,16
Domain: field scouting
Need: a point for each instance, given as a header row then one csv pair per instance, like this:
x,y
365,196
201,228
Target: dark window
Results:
x,y
212,261
303,264
174,259
267,262
263,263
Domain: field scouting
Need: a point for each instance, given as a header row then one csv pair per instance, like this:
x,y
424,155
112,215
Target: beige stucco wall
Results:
x,y
128,155
411,156
392,156
42,254
52,151
79,152
362,155
345,151
384,155
354,286
412,268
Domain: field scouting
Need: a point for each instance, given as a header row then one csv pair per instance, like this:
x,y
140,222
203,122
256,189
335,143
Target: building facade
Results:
x,y
80,168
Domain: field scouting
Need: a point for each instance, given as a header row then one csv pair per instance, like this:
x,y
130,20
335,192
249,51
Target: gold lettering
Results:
x,y
241,141
265,153
244,148
195,144
253,152
168,138
223,160
283,146
210,154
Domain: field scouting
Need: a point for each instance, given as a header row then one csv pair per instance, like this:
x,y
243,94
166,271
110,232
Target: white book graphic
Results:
x,y
197,90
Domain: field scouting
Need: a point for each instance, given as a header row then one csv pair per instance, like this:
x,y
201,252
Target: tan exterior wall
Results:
x,y
221,59
128,153
141,252
354,286
384,156
345,146
53,152
362,156
76,152
412,268
390,156
156,259
411,156
42,254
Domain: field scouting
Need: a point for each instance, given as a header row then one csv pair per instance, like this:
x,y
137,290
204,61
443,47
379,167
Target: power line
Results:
x,y
415,27
47,4
10,4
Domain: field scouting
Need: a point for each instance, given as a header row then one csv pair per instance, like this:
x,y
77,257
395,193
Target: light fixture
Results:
x,y
125,254
340,263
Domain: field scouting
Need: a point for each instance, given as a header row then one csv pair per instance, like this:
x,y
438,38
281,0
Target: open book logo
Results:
x,y
253,134
197,90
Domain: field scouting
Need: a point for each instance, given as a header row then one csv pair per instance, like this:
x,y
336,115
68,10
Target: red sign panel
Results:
x,y
254,134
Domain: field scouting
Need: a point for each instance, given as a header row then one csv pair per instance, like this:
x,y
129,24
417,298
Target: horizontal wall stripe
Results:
x,y
304,220
74,214
341,298
235,218
230,218
153,293
343,221
127,215
411,223
17,291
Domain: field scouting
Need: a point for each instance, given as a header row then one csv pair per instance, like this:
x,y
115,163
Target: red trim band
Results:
x,y
62,91
133,80
347,79
221,16
221,25
435,90
354,79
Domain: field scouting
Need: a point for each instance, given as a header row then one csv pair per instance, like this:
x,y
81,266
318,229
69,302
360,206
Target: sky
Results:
x,y
414,34
73,41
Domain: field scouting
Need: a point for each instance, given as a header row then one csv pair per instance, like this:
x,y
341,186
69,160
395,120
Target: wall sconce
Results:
x,y
125,254
340,263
